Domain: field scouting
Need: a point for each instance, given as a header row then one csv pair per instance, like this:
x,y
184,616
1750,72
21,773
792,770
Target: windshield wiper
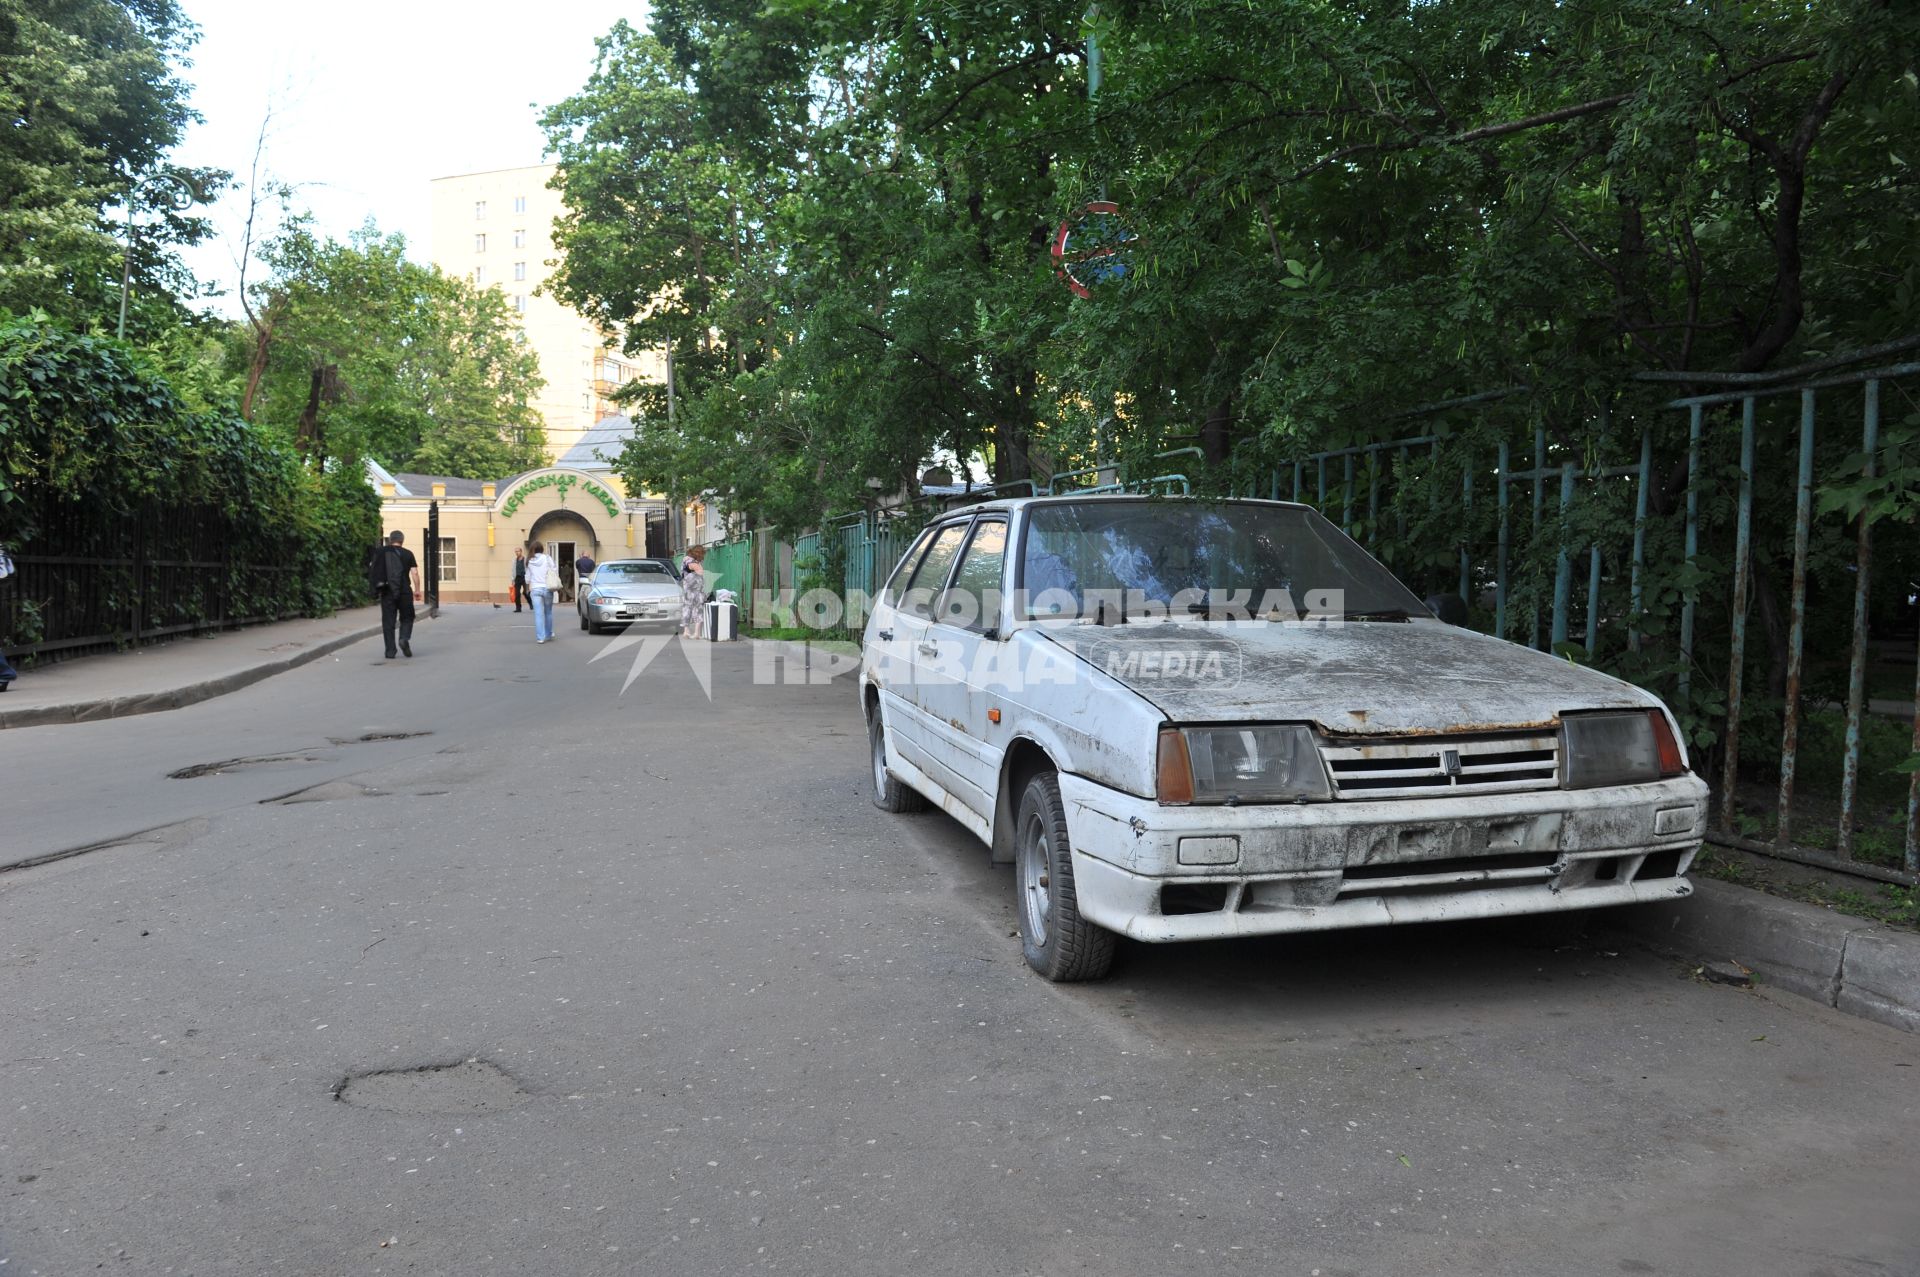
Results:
x,y
1384,614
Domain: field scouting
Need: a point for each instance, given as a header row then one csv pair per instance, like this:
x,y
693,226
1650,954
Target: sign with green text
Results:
x,y
563,482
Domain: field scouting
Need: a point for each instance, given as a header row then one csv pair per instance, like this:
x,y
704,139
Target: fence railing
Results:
x,y
91,581
1607,507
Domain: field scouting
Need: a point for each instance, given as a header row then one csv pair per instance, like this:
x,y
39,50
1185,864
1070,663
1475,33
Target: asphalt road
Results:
x,y
731,1018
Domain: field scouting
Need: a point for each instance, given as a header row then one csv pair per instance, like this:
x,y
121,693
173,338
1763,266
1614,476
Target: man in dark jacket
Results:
x,y
519,579
394,574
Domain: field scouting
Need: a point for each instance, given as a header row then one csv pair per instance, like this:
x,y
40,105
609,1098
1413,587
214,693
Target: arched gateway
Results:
x,y
482,524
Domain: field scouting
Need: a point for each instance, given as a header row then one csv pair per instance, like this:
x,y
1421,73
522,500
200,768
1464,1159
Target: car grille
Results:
x,y
1431,766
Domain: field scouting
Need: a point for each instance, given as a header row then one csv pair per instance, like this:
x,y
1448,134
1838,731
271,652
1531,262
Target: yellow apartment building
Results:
x,y
496,229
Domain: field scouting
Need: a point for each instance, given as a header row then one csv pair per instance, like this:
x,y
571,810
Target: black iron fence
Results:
x,y
92,580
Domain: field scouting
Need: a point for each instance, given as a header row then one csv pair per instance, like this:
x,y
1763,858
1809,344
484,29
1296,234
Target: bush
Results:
x,y
99,456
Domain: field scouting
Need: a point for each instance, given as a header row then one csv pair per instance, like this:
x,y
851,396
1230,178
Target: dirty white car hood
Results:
x,y
1364,677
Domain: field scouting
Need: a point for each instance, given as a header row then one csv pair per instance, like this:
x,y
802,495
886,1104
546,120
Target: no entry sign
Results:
x,y
1089,247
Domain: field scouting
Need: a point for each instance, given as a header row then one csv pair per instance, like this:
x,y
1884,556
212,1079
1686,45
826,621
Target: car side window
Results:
x,y
931,576
903,571
972,602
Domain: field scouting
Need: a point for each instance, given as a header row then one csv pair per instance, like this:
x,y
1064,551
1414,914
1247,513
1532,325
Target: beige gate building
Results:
x,y
571,510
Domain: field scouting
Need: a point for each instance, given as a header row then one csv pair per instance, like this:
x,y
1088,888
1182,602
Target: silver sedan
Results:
x,y
623,591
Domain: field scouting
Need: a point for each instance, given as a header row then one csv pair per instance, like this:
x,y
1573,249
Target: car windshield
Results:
x,y
1200,556
632,574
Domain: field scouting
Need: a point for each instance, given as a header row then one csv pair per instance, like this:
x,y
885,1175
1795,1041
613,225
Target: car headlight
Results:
x,y
1619,749
1241,765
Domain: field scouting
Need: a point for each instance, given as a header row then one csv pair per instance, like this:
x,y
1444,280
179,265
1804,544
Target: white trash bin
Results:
x,y
723,618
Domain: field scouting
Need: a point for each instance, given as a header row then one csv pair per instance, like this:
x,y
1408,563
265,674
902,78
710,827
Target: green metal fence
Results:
x,y
1795,461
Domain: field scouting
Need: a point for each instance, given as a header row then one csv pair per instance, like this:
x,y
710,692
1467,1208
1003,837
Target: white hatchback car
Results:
x,y
1183,719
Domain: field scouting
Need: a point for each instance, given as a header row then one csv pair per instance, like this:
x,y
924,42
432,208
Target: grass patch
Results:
x,y
1880,902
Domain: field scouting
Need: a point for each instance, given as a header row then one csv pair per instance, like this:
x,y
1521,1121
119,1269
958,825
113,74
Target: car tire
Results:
x,y
586,625
890,793
1058,943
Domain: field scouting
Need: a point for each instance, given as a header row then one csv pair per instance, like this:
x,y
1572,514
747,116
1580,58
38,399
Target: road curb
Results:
x,y
1847,963
175,697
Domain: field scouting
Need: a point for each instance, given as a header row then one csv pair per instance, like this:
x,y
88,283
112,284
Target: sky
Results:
x,y
372,100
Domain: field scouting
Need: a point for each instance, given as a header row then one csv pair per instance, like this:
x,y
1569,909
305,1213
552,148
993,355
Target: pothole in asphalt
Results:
x,y
236,764
323,793
375,736
471,1086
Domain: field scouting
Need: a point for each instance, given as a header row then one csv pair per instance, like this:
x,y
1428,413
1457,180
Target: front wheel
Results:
x,y
1057,941
889,793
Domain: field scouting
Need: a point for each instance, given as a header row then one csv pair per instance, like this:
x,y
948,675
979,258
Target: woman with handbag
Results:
x,y
543,576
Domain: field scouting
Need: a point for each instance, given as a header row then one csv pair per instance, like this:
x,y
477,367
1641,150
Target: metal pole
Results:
x,y
1691,592
1593,603
1400,502
1797,628
1346,506
1857,673
1640,538
1563,570
1742,568
126,269
1373,495
1539,504
1466,525
1500,566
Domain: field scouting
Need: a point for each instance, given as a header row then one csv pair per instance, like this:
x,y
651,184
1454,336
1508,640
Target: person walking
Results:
x,y
693,594
543,575
583,569
519,590
395,576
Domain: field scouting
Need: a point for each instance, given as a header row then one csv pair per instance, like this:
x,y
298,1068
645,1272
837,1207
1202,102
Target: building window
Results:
x,y
519,270
479,210
519,203
519,239
479,243
479,277
449,560
520,304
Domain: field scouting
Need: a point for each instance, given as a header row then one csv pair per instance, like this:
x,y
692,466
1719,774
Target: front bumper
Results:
x,y
1189,873
623,612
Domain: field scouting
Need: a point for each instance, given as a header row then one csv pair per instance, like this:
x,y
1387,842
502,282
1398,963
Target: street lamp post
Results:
x,y
164,190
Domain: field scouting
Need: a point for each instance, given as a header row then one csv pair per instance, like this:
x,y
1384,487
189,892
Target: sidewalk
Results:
x,y
169,675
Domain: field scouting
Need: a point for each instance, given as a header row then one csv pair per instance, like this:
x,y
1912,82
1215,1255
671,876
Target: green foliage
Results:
x,y
93,438
839,216
93,102
362,352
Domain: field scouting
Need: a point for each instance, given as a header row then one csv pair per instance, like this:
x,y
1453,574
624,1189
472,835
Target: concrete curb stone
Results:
x,y
175,697
1880,978
1845,962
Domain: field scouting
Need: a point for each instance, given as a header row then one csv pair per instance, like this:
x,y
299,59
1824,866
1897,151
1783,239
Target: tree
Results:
x,y
824,216
370,354
93,102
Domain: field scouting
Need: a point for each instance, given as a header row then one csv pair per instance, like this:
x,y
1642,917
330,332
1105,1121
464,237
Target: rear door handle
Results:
x,y
885,636
929,649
